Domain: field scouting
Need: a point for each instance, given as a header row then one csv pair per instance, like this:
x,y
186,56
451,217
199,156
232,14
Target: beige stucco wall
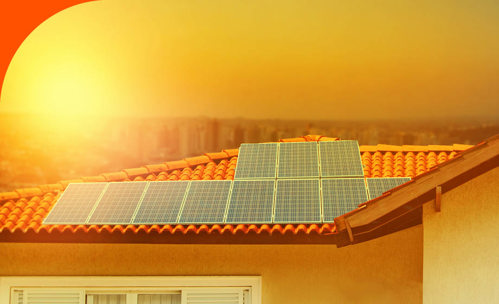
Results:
x,y
385,270
461,244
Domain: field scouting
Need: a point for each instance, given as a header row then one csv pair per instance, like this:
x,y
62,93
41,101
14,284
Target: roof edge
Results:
x,y
374,218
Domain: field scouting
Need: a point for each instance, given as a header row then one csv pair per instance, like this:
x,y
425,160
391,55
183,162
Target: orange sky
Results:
x,y
262,59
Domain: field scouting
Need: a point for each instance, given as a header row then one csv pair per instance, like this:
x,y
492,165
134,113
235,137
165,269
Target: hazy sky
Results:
x,y
262,59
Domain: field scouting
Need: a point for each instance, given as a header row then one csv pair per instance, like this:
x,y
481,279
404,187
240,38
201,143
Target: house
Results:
x,y
431,240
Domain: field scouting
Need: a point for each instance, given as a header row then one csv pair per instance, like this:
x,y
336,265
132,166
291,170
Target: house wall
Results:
x,y
384,270
461,247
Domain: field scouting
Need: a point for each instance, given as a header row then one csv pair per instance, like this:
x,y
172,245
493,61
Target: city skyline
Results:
x,y
35,151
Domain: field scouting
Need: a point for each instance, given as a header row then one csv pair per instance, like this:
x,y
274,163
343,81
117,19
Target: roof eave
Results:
x,y
402,207
144,237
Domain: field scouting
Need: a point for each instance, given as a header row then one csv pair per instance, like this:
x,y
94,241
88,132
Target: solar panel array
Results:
x,y
304,182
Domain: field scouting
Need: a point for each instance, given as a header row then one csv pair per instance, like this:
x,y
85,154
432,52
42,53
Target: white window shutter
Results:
x,y
53,296
17,296
212,296
246,296
159,299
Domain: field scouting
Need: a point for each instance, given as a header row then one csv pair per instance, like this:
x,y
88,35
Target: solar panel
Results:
x,y
298,159
206,202
377,186
340,158
75,203
298,201
118,203
161,203
341,195
251,202
256,161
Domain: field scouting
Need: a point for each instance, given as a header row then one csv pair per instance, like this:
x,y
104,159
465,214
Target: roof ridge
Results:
x,y
130,174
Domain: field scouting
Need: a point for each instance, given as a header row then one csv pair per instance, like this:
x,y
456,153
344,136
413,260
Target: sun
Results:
x,y
73,90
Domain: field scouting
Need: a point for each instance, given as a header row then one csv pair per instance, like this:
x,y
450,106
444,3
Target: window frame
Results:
x,y
94,284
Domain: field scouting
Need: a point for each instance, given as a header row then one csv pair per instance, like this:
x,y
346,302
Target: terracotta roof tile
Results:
x,y
440,148
156,168
51,188
294,139
325,138
94,179
65,183
216,155
28,192
134,172
312,137
194,161
115,176
9,195
177,164
458,147
25,209
232,152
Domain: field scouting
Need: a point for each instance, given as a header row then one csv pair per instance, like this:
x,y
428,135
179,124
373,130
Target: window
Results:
x,y
130,290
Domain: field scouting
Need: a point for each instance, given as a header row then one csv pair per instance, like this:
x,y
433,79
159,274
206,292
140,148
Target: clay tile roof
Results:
x,y
23,210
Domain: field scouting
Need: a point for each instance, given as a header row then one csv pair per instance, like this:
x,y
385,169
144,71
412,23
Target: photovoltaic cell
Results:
x,y
205,202
377,186
340,158
75,203
161,202
256,161
251,201
118,203
298,201
298,159
341,195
